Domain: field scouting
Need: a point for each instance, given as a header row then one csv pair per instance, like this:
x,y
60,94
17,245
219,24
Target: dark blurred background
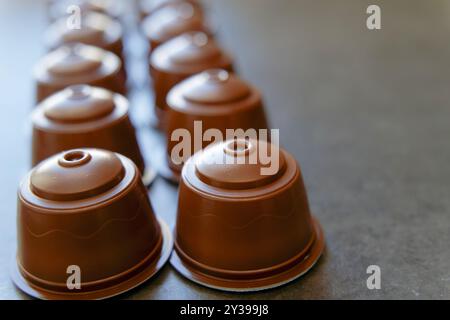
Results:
x,y
366,113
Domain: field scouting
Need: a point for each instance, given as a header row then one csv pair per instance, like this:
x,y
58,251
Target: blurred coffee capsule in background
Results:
x,y
86,228
171,21
239,227
115,9
96,29
214,99
179,58
78,64
148,7
84,116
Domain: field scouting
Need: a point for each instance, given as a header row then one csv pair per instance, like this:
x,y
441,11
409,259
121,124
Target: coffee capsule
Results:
x,y
86,228
149,7
95,29
179,58
243,220
57,9
84,116
78,64
212,100
172,21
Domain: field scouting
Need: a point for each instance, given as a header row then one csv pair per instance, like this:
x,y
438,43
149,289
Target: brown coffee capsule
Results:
x,y
244,223
178,59
95,29
172,21
57,9
149,7
213,100
84,116
86,228
78,64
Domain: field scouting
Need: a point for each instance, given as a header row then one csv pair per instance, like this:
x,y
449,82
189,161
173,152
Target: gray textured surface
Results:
x,y
366,113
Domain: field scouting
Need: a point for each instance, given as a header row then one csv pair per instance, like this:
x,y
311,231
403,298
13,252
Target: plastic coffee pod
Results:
x,y
84,116
171,21
243,222
57,9
216,100
149,7
86,228
95,29
180,58
78,64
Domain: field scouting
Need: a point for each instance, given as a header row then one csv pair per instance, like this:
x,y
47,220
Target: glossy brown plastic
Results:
x,y
84,116
57,9
149,7
86,208
180,58
217,98
171,21
238,228
78,64
96,29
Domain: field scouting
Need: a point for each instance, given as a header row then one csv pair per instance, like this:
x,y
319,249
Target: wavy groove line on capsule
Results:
x,y
36,235
210,215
